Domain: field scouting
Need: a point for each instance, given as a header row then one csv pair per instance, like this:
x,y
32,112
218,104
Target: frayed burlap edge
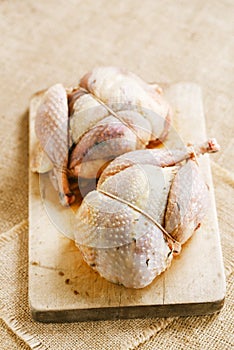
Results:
x,y
152,331
29,339
9,235
12,323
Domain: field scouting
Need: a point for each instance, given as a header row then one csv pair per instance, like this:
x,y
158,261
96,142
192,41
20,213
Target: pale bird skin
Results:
x,y
148,202
111,108
123,243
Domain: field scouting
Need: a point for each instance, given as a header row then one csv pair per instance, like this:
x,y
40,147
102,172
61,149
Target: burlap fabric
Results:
x,y
57,41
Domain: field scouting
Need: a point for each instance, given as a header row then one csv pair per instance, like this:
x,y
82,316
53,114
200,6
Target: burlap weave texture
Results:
x,y
51,41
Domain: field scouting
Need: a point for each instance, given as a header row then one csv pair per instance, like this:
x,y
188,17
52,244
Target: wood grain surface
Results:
x,y
63,288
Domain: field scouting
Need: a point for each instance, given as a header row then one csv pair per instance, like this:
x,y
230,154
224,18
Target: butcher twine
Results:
x,y
163,40
176,246
110,110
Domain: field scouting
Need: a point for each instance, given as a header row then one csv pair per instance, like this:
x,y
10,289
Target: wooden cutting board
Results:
x,y
63,288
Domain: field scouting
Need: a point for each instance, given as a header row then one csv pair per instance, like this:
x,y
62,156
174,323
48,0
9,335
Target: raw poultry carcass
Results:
x,y
111,112
146,205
